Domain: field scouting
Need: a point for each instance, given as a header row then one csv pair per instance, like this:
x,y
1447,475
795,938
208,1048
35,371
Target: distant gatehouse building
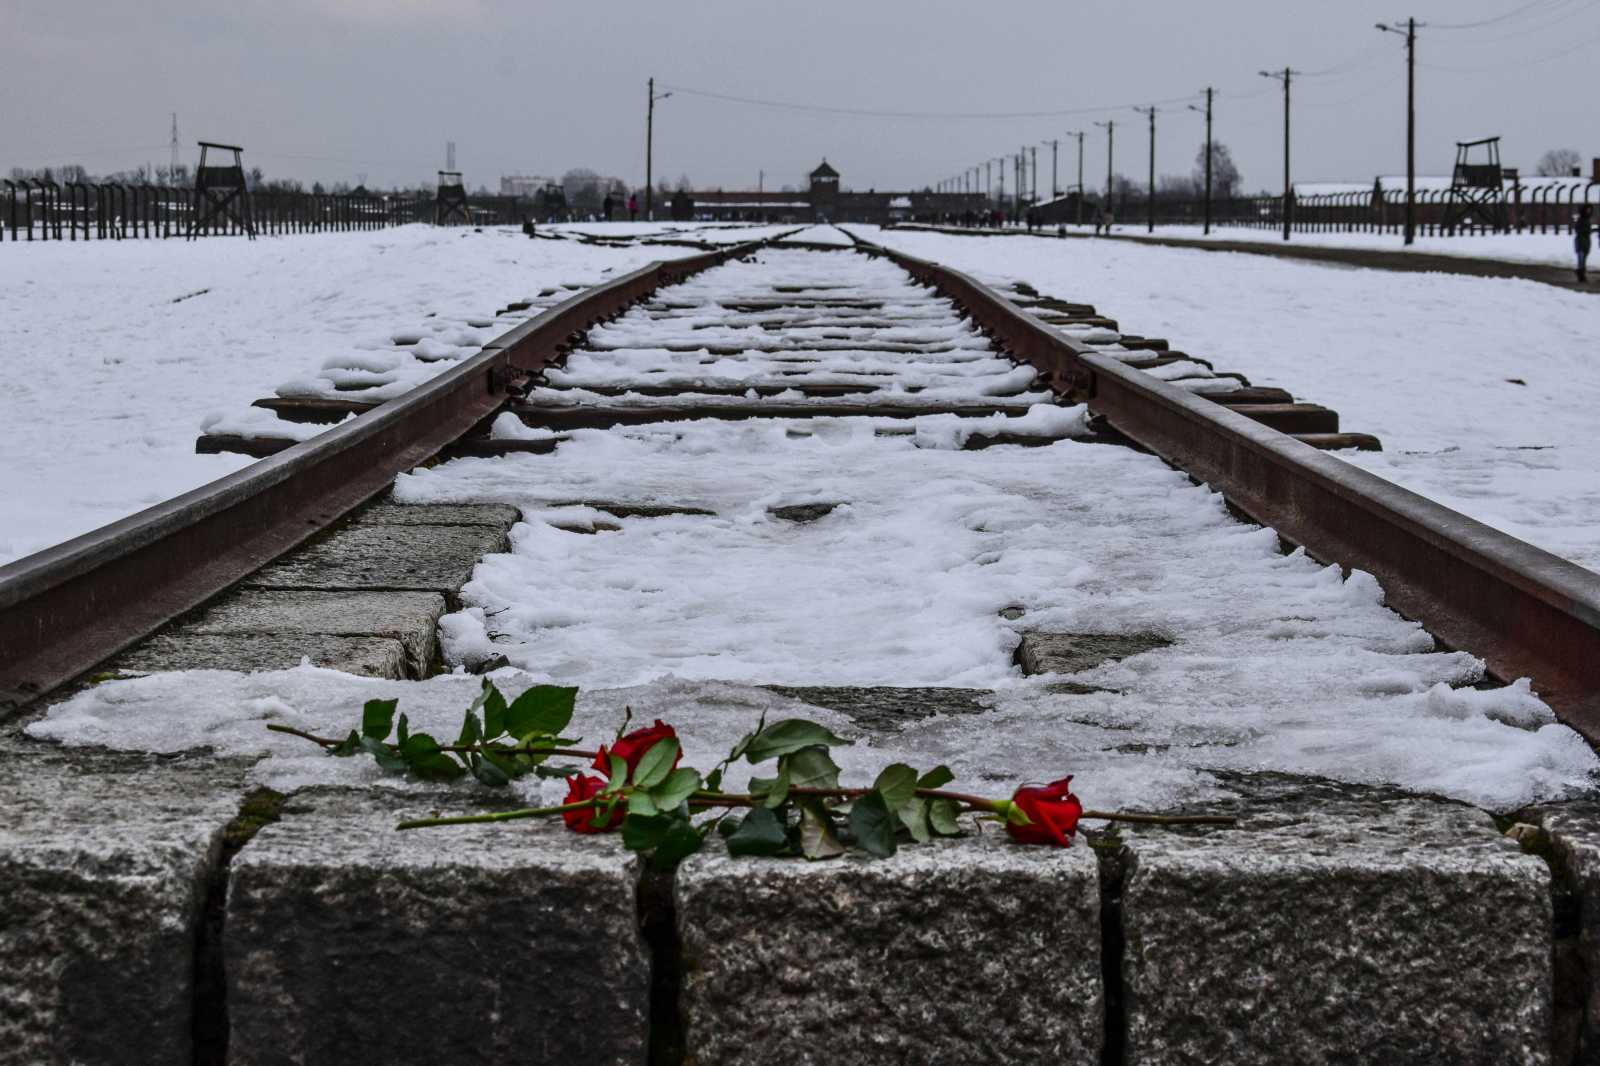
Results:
x,y
821,201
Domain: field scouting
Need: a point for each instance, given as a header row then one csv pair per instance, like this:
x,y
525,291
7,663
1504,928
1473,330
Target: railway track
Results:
x,y
802,472
810,352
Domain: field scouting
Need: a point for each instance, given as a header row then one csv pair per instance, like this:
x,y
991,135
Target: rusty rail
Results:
x,y
1524,611
69,607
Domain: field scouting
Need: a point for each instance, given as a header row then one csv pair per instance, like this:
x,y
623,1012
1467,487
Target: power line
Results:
x,y
880,113
1513,13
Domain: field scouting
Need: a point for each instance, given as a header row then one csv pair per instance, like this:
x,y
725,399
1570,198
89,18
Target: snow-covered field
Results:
x,y
115,353
1484,391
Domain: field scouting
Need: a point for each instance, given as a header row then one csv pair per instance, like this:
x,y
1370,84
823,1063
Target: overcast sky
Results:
x,y
337,89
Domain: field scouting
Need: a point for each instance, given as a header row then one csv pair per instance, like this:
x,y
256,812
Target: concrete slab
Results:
x,y
1069,653
440,514
1573,846
969,951
105,862
1335,924
408,617
418,558
368,656
885,708
347,941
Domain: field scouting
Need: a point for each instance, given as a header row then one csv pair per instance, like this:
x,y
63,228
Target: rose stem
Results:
x,y
329,742
499,816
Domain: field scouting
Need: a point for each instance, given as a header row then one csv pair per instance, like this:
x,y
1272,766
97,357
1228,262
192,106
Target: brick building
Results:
x,y
823,200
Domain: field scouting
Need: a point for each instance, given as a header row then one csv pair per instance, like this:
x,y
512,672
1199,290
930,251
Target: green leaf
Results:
x,y
682,840
424,759
470,732
812,767
791,734
761,833
817,840
942,817
489,773
679,786
382,754
744,741
914,816
896,784
350,745
656,763
604,816
402,730
562,772
729,824
618,775
377,718
873,825
543,710
938,777
506,766
494,712
641,832
780,787
714,780
641,804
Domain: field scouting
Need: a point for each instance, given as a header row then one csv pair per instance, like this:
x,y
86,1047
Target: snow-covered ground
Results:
x,y
1544,249
931,563
1484,391
115,353
707,232
1548,249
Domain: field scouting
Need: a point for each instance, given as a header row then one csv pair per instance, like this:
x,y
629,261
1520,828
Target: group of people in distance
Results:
x,y
609,206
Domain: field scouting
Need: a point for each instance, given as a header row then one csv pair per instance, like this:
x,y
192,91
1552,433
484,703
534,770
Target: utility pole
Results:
x,y
988,180
649,149
1150,201
1055,188
1033,156
1410,33
1111,144
1001,160
172,173
1288,188
1022,177
1079,134
1209,93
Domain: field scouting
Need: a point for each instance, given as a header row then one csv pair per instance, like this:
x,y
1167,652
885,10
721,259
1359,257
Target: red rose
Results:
x,y
1053,813
582,787
630,747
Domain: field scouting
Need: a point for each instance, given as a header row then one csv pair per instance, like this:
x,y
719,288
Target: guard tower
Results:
x,y
1477,187
220,195
450,202
825,193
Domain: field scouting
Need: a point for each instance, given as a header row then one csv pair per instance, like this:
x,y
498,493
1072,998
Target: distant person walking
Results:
x,y
1582,236
608,205
633,206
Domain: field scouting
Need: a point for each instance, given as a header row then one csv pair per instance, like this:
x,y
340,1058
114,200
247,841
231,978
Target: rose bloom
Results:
x,y
1053,813
630,747
582,787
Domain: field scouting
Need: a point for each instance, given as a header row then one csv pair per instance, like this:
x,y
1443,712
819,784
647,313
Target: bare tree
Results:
x,y
1225,177
584,190
1559,163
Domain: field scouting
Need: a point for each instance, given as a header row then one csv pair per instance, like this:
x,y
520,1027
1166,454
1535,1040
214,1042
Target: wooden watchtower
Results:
x,y
1477,186
450,202
220,194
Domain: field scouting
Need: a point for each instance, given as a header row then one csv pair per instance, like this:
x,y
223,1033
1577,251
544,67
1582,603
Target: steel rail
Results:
x,y
1524,611
72,606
